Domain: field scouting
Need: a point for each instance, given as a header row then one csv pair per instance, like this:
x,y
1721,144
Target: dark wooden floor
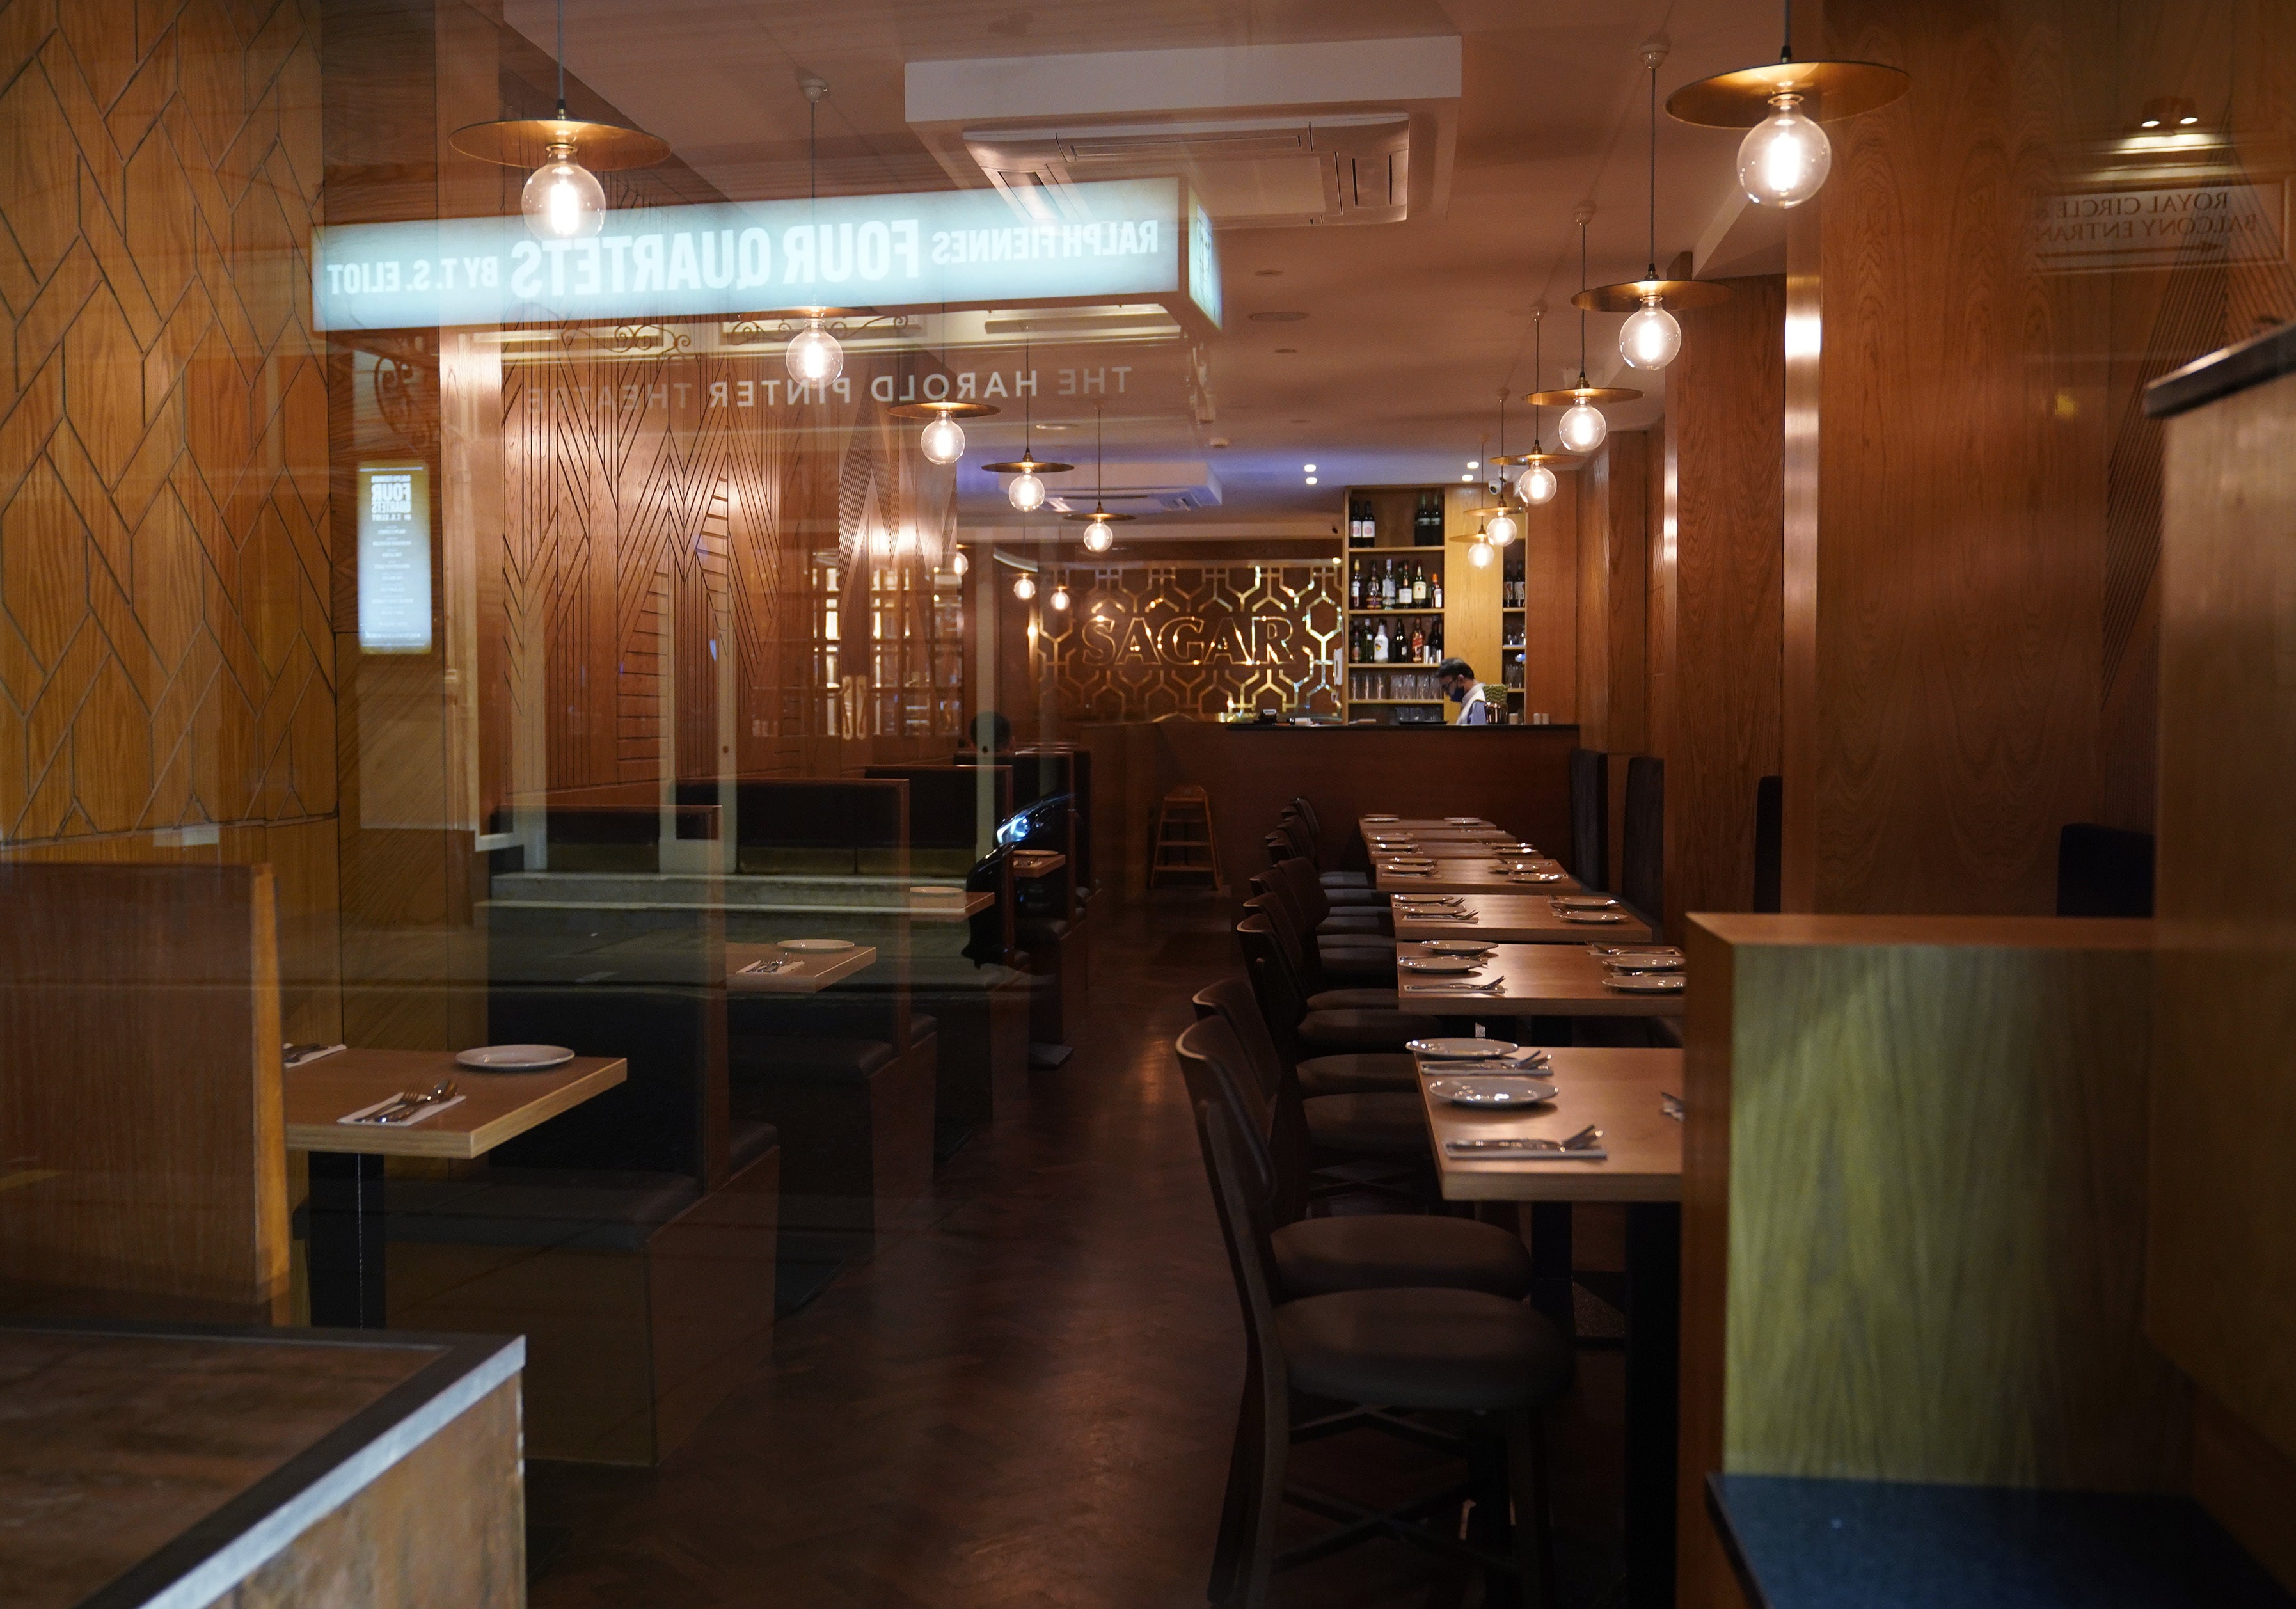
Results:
x,y
1025,1399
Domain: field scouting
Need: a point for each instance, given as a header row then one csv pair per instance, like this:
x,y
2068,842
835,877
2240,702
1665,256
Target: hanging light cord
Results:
x,y
1537,363
1582,312
561,61
1652,273
1785,50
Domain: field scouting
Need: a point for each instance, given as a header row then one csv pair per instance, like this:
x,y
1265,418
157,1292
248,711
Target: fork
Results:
x,y
1491,988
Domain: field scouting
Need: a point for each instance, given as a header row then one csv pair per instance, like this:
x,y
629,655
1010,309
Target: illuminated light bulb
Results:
x,y
1500,531
1098,537
943,442
1784,157
1536,485
1650,338
1060,598
1024,588
1481,554
1582,427
957,563
563,200
814,355
1026,492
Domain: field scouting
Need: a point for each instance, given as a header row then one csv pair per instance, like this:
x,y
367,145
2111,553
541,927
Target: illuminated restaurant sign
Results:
x,y
1117,239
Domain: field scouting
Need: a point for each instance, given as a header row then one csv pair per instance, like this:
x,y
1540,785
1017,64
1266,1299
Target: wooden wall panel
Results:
x,y
1550,660
164,652
2222,1258
1917,1285
1718,564
1613,587
140,1123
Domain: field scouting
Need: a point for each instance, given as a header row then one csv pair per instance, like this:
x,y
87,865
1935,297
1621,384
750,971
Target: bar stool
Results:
x,y
1413,1349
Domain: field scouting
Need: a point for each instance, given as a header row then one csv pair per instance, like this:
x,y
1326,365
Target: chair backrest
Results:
x,y
1246,1233
2103,871
1301,835
1590,817
1216,1071
1299,950
1641,859
1769,842
1306,810
1305,885
1234,1000
1282,1002
1270,1094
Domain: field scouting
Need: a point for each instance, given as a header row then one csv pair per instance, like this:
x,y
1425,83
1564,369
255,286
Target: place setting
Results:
x,y
1655,971
1594,909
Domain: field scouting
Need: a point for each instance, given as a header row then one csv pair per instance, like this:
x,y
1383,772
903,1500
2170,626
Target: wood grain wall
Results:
x,y
165,658
1972,525
1550,620
1717,592
1613,586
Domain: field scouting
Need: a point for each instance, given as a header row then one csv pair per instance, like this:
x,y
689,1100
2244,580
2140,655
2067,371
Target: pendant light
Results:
x,y
1536,485
1501,528
942,440
958,564
1785,155
1025,489
1582,427
1650,338
562,200
1060,598
1024,587
1480,553
1098,537
814,356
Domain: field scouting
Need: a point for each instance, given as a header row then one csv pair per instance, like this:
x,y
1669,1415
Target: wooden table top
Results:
x,y
1028,865
496,1107
1524,918
1478,873
1542,981
1616,1090
815,970
1411,825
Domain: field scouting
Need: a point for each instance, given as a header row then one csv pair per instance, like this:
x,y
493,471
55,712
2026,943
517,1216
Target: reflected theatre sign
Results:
x,y
2160,226
1125,239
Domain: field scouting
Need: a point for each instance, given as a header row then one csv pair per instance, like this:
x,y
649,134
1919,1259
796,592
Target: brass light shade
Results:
x,y
1027,465
1510,460
941,410
1099,516
1627,295
1598,395
1829,91
527,142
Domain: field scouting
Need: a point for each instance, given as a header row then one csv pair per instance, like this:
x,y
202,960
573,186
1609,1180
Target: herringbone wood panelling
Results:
x,y
164,649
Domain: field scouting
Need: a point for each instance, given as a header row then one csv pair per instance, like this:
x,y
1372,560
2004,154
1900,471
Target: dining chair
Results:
x,y
1642,854
1769,842
1313,1029
1383,1355
1590,818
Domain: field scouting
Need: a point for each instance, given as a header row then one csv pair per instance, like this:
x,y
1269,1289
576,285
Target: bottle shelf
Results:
x,y
1395,701
1395,665
1414,609
1429,551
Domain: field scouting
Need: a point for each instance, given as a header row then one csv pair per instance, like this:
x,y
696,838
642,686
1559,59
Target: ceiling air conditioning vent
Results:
x,y
1250,172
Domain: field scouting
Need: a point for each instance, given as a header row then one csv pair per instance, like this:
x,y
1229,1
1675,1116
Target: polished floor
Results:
x,y
1025,1397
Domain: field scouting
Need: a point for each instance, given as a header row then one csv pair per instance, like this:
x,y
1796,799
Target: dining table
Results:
x,y
1441,872
345,1244
774,970
1528,981
1629,1096
1511,918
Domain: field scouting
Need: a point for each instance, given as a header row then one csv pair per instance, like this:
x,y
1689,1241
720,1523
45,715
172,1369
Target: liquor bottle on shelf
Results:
x,y
1418,583
1427,523
1435,589
1379,645
1387,584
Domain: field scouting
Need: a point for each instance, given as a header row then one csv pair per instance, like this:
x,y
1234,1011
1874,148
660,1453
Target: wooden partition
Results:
x,y
1913,1211
2222,1266
142,1148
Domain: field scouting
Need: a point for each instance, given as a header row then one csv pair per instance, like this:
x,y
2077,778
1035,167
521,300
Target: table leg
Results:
x,y
1550,1264
343,1248
1654,1348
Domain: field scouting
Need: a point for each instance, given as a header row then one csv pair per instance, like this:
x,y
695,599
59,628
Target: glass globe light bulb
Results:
x,y
1536,485
1784,157
563,200
957,563
1026,492
814,355
1650,338
1501,530
1582,427
1098,537
1024,588
943,442
1480,553
1060,598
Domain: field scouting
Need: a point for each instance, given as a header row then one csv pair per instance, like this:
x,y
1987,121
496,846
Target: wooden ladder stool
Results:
x,y
1185,845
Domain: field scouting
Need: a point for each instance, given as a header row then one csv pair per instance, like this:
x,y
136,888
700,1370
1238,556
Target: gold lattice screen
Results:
x,y
1142,640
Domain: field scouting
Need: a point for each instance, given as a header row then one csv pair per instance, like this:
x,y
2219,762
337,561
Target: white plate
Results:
x,y
1628,961
1382,818
1585,902
1438,964
1490,1091
1570,915
513,1058
1459,1050
1459,947
1462,821
1647,983
814,947
1535,877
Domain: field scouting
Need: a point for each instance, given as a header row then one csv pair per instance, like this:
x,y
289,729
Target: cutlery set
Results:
x,y
400,1108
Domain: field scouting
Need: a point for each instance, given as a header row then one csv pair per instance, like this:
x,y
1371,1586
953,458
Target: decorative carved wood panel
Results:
x,y
165,655
1143,640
